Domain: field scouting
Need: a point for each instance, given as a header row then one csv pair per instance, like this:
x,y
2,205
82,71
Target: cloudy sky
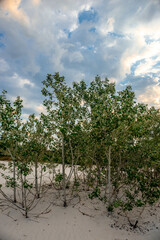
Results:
x,y
118,39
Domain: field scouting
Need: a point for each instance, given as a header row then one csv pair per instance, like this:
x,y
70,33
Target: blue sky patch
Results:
x,y
68,33
90,47
93,29
88,16
116,35
1,43
157,65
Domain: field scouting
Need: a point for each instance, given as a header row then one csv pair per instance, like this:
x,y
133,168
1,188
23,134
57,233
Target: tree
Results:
x,y
62,115
10,123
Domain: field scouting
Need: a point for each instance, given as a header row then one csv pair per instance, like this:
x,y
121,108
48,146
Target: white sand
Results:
x,y
83,219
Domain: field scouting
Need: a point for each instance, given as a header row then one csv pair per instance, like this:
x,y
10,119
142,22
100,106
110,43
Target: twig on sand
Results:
x,y
74,197
86,214
8,214
47,210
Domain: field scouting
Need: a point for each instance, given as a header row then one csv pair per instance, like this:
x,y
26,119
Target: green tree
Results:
x,y
10,124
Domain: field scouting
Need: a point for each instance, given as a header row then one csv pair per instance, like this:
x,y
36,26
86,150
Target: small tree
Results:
x,y
10,122
60,112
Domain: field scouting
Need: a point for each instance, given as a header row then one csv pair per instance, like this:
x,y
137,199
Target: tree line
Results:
x,y
105,134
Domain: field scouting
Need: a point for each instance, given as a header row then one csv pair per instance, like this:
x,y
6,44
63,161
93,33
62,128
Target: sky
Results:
x,y
117,39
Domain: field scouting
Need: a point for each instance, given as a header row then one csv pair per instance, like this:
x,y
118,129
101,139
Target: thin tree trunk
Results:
x,y
40,183
14,176
22,191
25,200
109,174
63,170
71,170
105,193
36,179
75,177
119,167
73,165
98,175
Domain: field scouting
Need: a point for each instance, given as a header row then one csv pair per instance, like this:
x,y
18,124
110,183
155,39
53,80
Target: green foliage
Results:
x,y
3,167
27,185
110,208
114,140
58,177
10,182
95,194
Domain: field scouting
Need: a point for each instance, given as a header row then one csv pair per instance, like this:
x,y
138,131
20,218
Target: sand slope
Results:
x,y
83,219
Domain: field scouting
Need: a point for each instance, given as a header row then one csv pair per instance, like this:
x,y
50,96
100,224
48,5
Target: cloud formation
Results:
x,y
13,10
115,39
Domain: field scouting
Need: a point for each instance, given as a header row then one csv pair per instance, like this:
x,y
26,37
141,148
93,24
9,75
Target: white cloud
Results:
x,y
40,109
151,96
113,80
148,67
36,2
76,57
106,26
139,51
25,117
15,12
21,82
31,106
3,65
112,44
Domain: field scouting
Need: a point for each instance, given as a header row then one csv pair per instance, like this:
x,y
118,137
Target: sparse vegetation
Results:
x,y
109,143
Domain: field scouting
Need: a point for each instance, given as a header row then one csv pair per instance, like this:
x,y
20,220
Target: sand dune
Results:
x,y
83,219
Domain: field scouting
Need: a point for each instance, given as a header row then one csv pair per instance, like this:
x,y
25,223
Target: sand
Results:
x,y
84,219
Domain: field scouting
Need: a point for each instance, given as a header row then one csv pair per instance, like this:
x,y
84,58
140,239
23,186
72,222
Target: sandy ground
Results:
x,y
84,219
